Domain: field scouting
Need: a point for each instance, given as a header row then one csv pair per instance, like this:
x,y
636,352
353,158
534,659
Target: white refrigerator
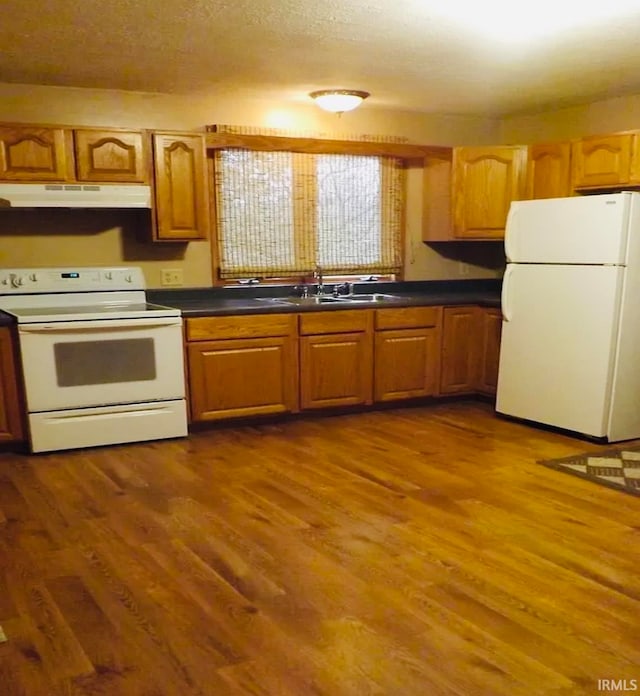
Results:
x,y
570,350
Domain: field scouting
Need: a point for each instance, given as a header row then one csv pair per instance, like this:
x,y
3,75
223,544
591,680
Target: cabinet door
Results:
x,y
485,181
601,161
490,332
634,174
336,370
406,363
549,171
459,369
244,377
111,156
182,207
33,154
10,408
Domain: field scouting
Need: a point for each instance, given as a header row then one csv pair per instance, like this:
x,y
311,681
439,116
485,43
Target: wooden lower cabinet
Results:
x,y
336,354
245,377
242,366
253,365
407,353
11,426
470,350
335,370
490,333
406,364
459,370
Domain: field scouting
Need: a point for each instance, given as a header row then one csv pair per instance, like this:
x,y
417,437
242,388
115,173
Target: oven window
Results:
x,y
104,362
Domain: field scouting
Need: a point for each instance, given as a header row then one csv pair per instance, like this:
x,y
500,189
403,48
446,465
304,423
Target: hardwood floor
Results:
x,y
411,552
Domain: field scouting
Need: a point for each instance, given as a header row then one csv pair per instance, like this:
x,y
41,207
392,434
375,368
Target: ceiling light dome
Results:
x,y
338,100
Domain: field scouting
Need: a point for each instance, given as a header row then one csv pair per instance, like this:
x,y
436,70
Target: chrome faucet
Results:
x,y
317,276
343,289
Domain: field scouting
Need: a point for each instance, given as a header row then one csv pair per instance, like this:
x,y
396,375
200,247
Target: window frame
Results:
x,y
268,143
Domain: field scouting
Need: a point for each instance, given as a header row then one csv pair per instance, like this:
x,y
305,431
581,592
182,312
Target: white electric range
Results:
x,y
101,365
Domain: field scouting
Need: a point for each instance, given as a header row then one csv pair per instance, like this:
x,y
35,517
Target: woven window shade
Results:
x,y
282,213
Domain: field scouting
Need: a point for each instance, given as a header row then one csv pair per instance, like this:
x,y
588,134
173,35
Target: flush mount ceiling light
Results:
x,y
338,100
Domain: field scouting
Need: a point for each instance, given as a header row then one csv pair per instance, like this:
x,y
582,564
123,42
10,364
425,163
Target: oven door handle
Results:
x,y
103,325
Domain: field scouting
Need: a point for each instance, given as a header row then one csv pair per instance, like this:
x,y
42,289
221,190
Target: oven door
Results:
x,y
78,364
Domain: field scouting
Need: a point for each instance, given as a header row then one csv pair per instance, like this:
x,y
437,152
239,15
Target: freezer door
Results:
x,y
582,229
558,342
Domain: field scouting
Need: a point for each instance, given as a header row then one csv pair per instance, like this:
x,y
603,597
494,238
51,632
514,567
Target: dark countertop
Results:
x,y
198,302
202,302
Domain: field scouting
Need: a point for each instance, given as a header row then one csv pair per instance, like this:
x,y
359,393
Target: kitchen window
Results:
x,y
281,214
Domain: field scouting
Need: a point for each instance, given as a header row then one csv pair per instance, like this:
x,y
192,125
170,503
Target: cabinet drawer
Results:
x,y
250,326
408,317
342,321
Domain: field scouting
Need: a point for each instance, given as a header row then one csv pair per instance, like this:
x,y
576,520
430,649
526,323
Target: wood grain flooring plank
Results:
x,y
149,627
56,643
530,600
406,552
111,653
22,670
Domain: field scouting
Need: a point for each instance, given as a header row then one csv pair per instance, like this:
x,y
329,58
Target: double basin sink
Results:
x,y
332,299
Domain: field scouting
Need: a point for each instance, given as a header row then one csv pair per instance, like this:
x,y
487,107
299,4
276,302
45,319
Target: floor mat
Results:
x,y
616,468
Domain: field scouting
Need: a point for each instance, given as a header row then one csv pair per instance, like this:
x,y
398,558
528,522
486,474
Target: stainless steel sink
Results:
x,y
311,300
330,299
374,297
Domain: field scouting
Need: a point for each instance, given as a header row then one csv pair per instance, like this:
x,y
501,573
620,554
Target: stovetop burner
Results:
x,y
81,294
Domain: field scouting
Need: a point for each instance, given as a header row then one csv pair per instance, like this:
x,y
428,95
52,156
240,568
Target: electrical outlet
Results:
x,y
463,268
171,277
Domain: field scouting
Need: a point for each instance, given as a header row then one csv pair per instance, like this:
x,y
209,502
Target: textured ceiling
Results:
x,y
401,51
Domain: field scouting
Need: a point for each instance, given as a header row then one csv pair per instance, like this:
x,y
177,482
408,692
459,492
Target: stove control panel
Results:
x,y
20,281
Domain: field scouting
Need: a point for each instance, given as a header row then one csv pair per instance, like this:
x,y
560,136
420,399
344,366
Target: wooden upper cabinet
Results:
x,y
602,161
485,181
30,153
182,204
111,155
437,220
634,173
549,170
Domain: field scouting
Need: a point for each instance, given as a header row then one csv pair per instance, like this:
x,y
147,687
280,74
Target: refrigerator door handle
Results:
x,y
506,312
510,233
